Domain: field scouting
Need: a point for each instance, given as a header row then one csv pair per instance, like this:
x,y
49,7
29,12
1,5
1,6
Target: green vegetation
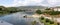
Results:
x,y
38,12
55,13
34,22
47,9
8,10
47,21
42,18
52,12
51,22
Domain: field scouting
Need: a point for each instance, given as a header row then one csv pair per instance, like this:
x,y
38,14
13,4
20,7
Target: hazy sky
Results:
x,y
29,2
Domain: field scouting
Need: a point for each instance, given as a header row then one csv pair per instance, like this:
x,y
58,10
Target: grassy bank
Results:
x,y
47,21
9,10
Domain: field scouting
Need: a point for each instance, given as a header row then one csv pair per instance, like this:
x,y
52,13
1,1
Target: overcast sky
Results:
x,y
49,3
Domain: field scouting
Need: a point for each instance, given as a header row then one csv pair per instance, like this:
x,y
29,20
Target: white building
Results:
x,y
55,8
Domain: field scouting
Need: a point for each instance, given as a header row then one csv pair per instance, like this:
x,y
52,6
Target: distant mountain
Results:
x,y
32,7
56,7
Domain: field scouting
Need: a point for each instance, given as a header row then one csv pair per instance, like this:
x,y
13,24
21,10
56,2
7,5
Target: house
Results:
x,y
55,8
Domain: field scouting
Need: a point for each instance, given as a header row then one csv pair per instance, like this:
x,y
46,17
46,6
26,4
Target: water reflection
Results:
x,y
17,19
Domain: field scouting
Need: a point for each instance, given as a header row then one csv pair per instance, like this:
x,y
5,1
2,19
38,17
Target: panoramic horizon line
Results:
x,y
12,3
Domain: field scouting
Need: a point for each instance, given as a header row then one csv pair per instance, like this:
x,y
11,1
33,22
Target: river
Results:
x,y
17,18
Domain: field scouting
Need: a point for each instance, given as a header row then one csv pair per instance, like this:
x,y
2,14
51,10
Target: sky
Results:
x,y
49,3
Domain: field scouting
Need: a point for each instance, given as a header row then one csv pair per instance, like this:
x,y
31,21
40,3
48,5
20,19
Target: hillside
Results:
x,y
31,7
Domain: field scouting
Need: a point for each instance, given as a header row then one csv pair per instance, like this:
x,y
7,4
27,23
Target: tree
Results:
x,y
38,12
34,22
54,12
42,18
47,9
47,20
51,22
0,8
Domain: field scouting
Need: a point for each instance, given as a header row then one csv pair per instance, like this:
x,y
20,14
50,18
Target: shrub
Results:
x,y
57,23
38,12
0,9
51,22
47,9
42,18
54,12
34,22
47,20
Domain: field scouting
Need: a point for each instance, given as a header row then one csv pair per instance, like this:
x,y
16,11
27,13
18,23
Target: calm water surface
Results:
x,y
17,18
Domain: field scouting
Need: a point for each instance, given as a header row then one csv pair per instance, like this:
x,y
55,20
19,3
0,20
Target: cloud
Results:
x,y
26,2
53,2
35,2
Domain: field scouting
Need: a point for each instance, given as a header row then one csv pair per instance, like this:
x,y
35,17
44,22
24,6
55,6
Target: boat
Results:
x,y
25,16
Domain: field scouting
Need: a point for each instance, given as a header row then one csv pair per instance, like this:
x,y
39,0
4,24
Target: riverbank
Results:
x,y
17,18
41,15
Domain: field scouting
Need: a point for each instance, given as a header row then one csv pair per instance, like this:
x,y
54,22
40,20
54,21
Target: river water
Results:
x,y
17,18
